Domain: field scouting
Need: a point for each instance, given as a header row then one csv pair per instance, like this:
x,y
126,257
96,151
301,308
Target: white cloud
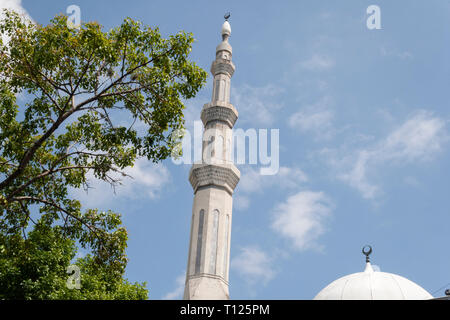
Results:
x,y
254,265
302,217
311,120
259,104
147,177
418,139
412,181
357,177
241,202
253,182
318,62
376,268
403,55
15,5
316,118
147,180
177,293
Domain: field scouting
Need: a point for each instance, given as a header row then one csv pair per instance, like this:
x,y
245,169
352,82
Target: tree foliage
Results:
x,y
35,268
82,91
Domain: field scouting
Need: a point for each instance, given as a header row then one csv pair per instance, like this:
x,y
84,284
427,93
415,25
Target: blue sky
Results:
x,y
364,144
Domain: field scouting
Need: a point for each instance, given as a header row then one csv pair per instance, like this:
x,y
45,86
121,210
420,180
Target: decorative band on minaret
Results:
x,y
213,181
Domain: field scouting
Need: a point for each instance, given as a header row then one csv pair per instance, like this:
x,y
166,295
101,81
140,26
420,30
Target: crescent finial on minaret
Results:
x,y
226,28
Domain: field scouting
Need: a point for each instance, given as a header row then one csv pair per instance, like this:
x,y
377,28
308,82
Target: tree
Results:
x,y
76,82
35,268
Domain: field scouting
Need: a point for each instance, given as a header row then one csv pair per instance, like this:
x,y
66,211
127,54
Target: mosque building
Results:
x,y
214,180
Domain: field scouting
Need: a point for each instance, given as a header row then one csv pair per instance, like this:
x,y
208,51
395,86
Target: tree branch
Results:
x,y
92,228
63,116
44,174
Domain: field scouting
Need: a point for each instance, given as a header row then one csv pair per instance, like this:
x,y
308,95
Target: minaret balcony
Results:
x,y
219,111
220,175
222,66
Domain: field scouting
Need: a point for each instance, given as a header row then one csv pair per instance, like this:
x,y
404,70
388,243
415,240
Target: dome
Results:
x,y
373,285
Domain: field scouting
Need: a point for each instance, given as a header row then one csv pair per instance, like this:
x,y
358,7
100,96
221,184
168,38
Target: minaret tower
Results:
x,y
213,181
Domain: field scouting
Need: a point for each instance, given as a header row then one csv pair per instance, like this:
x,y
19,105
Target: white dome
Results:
x,y
373,285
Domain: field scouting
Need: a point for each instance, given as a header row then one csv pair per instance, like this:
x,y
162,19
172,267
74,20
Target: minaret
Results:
x,y
213,181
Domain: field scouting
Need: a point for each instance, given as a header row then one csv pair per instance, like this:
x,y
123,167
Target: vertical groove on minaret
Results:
x,y
214,236
198,257
216,91
189,269
225,250
222,93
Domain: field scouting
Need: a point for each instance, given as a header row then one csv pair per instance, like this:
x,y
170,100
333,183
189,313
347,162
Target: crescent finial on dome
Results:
x,y
367,252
